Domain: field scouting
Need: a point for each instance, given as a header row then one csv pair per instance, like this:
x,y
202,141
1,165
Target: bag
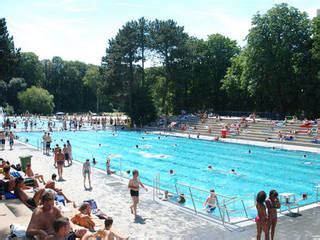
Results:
x,y
9,195
83,220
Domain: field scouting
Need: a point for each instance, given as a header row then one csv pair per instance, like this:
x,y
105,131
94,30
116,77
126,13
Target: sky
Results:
x,y
80,29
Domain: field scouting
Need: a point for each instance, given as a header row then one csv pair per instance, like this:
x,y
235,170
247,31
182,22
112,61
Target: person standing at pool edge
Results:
x,y
134,185
86,170
59,162
261,218
272,205
69,151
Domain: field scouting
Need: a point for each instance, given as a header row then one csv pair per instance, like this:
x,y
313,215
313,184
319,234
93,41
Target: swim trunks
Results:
x,y
60,162
134,193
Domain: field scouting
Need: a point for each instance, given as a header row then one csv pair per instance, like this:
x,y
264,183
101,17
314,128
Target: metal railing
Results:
x,y
223,203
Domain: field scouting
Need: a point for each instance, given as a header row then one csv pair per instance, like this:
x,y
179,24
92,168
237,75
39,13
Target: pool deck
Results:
x,y
159,220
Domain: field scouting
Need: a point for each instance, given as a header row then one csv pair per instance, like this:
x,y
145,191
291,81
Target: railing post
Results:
x,y
194,205
222,217
244,208
225,207
153,189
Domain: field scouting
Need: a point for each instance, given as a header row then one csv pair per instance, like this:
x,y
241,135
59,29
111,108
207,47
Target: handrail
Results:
x,y
202,190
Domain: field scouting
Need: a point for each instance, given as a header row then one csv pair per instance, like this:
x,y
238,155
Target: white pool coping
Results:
x,y
241,141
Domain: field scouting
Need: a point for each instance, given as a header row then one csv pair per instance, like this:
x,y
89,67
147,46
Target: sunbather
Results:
x,y
61,228
43,218
29,173
31,203
108,233
56,191
84,218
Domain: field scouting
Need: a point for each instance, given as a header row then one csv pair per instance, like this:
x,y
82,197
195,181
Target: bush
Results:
x,y
36,100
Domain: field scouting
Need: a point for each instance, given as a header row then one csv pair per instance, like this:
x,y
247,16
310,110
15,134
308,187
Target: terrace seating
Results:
x,y
262,130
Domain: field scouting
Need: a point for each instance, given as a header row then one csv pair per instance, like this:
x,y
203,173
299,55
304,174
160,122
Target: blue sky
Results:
x,y
80,29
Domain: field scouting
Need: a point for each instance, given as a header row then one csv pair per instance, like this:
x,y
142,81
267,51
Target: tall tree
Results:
x,y
166,39
9,56
31,69
277,55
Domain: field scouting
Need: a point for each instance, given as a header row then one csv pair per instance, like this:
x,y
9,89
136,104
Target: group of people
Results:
x,y
47,221
266,219
3,136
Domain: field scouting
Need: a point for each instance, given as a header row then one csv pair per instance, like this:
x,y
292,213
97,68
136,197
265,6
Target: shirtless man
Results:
x,y
31,203
55,191
61,228
41,223
211,201
134,185
11,140
108,233
59,162
29,173
48,142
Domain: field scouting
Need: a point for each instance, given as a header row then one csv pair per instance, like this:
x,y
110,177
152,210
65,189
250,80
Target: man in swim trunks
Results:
x,y
48,143
134,185
11,140
210,203
59,162
86,171
2,140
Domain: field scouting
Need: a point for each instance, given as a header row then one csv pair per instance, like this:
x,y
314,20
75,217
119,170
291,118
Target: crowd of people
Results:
x,y
45,199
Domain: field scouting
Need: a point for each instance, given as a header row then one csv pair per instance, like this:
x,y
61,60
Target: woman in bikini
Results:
x,y
272,205
261,219
134,185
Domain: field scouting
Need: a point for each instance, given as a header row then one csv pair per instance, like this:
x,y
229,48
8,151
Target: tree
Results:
x,y
36,100
31,69
236,85
167,39
14,86
143,110
9,56
278,58
93,80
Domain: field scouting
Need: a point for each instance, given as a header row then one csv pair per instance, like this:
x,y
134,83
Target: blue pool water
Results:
x,y
263,169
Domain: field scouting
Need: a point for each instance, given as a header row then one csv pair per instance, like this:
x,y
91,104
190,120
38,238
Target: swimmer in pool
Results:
x,y
94,162
210,167
137,146
249,151
172,172
233,172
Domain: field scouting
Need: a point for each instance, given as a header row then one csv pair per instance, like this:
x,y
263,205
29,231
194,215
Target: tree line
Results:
x,y
278,70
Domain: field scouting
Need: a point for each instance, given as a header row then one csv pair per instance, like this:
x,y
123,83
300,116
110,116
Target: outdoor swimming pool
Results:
x,y
262,169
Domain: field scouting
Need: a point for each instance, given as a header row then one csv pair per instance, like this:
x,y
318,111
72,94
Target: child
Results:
x,y
261,219
272,204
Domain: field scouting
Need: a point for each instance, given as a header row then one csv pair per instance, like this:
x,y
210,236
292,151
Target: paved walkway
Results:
x,y
158,220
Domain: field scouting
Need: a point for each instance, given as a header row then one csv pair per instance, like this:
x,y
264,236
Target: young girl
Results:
x,y
272,204
261,219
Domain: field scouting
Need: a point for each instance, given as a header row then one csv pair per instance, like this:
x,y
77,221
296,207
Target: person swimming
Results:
x,y
137,146
233,172
249,151
94,161
172,172
210,167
